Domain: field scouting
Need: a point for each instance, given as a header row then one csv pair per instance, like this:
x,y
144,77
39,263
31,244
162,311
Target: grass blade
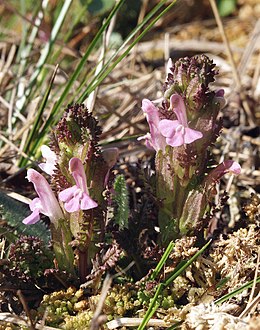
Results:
x,y
177,272
84,59
162,262
45,53
34,131
106,70
52,118
236,291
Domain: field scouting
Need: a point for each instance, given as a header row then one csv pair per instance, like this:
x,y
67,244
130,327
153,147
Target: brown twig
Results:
x,y
98,318
26,309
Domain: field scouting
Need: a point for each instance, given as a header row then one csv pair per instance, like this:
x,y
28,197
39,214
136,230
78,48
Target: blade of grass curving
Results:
x,y
51,120
55,56
177,272
45,53
24,53
107,69
222,282
162,262
236,291
24,30
131,35
26,47
84,59
34,131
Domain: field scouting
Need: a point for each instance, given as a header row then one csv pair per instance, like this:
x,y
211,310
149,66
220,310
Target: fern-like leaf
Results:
x,y
122,202
13,212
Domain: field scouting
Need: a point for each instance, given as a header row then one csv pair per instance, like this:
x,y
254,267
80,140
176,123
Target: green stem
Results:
x,y
61,238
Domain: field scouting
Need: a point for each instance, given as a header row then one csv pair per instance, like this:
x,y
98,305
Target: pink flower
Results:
x,y
228,166
177,132
154,139
51,160
46,203
76,198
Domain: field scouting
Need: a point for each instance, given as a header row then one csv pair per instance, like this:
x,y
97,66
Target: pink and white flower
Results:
x,y
77,197
51,159
46,204
228,166
154,139
177,132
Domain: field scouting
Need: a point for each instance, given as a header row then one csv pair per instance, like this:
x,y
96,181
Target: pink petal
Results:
x,y
176,140
232,167
168,127
51,159
191,135
49,203
36,204
78,172
178,106
73,204
221,169
67,194
32,218
87,203
152,117
148,140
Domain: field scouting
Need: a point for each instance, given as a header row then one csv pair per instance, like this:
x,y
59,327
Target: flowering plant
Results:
x,y
182,131
76,211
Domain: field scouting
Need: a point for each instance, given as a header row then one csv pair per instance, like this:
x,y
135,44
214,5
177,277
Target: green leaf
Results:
x,y
13,212
121,200
226,7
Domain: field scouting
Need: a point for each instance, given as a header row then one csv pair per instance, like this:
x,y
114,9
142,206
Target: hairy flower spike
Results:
x,y
77,125
190,77
182,131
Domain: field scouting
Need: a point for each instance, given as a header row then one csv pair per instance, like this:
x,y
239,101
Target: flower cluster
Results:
x,y
182,131
75,165
75,198
169,132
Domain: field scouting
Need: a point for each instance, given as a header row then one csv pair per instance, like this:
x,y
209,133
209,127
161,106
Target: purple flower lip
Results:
x,y
228,166
46,204
76,197
177,132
